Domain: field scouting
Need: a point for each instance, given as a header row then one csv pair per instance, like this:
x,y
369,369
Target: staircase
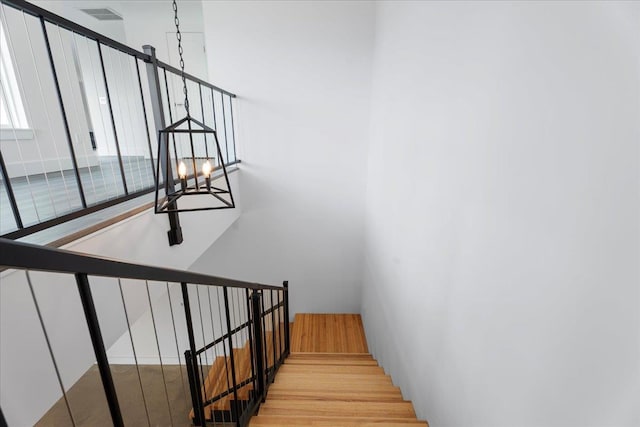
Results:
x,y
330,379
218,380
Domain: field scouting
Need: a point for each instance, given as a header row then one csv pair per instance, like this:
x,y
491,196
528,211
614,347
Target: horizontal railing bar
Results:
x,y
222,338
193,78
51,17
33,257
228,391
166,211
274,308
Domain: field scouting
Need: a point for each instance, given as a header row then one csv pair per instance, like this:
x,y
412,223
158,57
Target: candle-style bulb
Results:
x,y
206,169
182,173
182,170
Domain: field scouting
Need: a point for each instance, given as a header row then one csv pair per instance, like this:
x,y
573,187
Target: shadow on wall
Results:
x,y
283,235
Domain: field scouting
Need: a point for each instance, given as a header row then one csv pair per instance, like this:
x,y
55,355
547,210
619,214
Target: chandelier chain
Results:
x,y
176,21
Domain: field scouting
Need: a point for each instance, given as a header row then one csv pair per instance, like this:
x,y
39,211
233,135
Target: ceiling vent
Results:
x,y
103,14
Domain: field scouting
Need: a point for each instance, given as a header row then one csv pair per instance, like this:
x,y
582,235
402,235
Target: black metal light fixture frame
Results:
x,y
203,184
202,179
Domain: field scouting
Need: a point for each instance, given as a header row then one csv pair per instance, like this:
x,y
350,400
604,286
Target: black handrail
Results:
x,y
28,256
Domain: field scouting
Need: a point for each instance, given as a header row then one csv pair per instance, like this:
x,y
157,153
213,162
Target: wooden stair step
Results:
x,y
330,369
332,379
305,421
346,396
329,355
330,359
337,408
333,362
337,388
242,361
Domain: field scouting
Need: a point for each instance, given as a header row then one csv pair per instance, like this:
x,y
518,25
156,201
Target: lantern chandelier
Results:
x,y
190,150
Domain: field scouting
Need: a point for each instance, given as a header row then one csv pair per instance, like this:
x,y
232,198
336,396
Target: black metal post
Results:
x,y
280,316
63,111
9,188
98,348
233,364
194,379
173,136
175,231
146,122
206,144
224,123
273,333
256,314
113,121
192,376
287,337
233,130
251,349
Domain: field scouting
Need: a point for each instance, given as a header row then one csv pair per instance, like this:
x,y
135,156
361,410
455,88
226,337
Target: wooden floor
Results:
x,y
167,402
330,379
328,333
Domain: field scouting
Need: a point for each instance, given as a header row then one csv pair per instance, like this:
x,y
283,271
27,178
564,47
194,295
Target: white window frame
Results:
x,y
13,117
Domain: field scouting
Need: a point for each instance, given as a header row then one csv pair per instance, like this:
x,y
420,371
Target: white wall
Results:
x,y
24,358
502,224
301,72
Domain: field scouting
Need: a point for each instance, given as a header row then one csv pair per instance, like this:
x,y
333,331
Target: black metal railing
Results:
x,y
94,107
234,336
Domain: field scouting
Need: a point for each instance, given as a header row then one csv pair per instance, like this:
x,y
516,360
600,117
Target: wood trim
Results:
x,y
99,226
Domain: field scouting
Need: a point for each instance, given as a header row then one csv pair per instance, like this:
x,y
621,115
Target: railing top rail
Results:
x,y
21,255
38,12
194,78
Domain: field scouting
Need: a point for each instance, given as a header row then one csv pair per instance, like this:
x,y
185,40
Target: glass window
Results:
x,y
12,114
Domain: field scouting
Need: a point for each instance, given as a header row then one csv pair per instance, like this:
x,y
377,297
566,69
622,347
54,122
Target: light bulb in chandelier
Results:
x,y
206,171
182,173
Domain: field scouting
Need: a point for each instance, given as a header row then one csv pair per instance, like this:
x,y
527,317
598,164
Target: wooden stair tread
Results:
x,y
338,408
346,396
332,379
332,362
329,355
341,387
304,421
330,369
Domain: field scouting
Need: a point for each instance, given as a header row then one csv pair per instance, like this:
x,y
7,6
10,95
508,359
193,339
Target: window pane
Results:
x,y
13,113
